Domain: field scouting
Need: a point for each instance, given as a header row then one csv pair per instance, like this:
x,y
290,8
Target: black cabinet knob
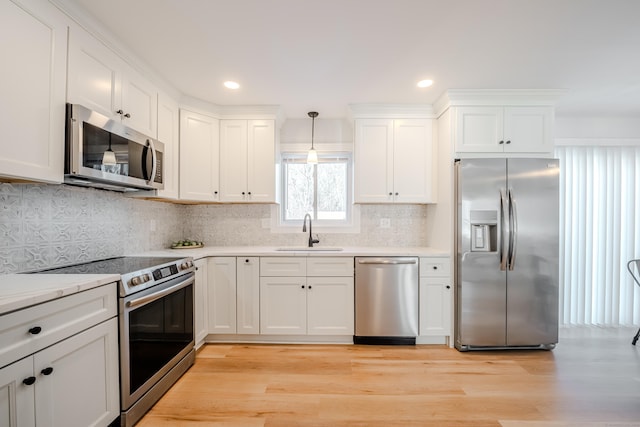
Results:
x,y
435,267
215,192
396,194
309,286
120,112
508,142
501,142
128,116
246,260
448,287
243,193
35,330
249,193
47,371
302,286
29,380
391,194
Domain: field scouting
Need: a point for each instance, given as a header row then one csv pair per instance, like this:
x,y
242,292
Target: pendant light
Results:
x,y
312,157
109,157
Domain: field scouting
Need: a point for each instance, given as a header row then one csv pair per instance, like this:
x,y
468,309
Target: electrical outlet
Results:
x,y
385,222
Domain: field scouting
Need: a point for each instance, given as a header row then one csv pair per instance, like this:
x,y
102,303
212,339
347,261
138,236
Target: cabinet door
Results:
x,y
233,160
330,308
94,74
32,90
283,305
261,161
373,161
479,130
200,301
199,157
77,379
528,129
221,295
248,295
435,306
17,400
413,161
139,103
168,124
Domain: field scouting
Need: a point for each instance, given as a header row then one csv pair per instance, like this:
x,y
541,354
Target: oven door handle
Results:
x,y
156,296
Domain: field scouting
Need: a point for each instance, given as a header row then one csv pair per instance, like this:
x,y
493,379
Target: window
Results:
x,y
322,190
599,211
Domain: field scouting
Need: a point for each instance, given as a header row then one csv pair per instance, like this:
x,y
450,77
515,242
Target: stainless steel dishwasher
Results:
x,y
386,297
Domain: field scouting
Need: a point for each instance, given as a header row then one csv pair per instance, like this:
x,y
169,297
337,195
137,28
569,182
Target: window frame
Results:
x,y
350,224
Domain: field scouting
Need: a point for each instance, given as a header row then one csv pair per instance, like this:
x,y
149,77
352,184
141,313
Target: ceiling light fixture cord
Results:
x,y
312,157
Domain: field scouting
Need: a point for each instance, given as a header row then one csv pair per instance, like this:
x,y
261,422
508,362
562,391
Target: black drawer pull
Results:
x,y
35,330
47,371
29,381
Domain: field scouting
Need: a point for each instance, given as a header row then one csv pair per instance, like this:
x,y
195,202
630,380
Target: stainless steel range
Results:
x,y
156,325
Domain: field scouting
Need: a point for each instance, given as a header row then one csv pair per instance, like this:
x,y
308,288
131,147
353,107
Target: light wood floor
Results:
x,y
591,379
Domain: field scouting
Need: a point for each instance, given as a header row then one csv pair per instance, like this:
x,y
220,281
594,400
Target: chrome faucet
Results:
x,y
304,229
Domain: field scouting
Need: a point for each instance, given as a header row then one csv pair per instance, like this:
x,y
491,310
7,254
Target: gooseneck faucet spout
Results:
x,y
304,229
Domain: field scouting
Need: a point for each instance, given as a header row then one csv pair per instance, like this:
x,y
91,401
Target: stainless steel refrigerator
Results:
x,y
506,275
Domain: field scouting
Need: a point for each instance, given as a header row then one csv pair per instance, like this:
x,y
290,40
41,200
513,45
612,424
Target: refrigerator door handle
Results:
x,y
513,240
504,231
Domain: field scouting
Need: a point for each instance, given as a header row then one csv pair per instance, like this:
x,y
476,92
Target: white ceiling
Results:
x,y
323,55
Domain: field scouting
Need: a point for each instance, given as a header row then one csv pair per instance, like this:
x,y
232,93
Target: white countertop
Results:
x,y
19,291
208,251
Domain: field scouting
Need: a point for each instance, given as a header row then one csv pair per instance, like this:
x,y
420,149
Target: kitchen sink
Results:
x,y
308,249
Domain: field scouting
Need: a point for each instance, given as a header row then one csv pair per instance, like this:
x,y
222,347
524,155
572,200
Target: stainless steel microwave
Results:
x,y
102,152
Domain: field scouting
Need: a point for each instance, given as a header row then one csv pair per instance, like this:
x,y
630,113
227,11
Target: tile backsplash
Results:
x,y
45,226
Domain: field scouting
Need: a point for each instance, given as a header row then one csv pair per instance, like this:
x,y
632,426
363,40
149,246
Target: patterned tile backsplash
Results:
x,y
45,226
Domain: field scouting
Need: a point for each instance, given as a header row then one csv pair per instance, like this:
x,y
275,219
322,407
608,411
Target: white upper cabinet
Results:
x,y
32,90
168,134
199,157
394,161
101,81
504,129
247,161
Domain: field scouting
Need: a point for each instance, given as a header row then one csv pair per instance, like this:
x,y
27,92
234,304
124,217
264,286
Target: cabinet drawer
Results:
x,y
283,266
55,320
435,267
330,266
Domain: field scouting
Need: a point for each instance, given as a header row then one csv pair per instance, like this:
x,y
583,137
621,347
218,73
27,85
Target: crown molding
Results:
x,y
497,97
390,111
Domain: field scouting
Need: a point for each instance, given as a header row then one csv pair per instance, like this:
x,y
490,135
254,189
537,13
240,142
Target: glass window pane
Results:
x,y
332,191
299,191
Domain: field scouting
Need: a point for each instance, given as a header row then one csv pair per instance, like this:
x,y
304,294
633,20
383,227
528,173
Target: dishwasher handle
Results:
x,y
387,261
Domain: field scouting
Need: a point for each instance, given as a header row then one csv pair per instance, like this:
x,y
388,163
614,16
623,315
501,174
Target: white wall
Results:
x,y
597,127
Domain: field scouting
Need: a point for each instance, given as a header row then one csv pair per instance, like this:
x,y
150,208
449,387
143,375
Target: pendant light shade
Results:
x,y
312,156
109,157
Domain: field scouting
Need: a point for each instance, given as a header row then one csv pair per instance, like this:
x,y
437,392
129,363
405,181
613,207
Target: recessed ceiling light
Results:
x,y
425,83
231,85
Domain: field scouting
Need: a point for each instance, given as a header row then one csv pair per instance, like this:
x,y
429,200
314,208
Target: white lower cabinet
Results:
x,y
248,295
200,302
221,295
283,305
72,383
436,298
306,296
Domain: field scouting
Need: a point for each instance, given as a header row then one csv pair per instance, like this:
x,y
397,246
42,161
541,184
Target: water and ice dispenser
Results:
x,y
484,230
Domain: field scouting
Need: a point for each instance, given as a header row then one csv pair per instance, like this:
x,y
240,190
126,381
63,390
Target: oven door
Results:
x,y
156,332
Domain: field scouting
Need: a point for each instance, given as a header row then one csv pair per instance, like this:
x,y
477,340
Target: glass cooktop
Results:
x,y
119,265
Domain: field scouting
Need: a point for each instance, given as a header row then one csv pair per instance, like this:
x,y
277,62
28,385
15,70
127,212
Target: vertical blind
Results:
x,y
600,225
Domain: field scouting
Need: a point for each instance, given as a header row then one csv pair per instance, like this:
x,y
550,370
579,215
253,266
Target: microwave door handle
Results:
x,y
154,162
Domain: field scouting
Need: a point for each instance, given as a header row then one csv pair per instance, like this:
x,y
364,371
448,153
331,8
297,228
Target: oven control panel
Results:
x,y
167,271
